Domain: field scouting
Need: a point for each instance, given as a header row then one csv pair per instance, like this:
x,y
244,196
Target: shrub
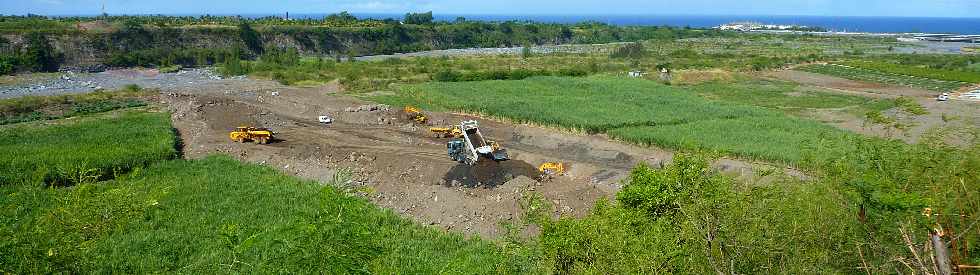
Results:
x,y
418,18
633,50
7,65
446,75
572,72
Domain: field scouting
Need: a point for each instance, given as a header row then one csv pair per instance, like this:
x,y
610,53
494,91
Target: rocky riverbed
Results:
x,y
74,83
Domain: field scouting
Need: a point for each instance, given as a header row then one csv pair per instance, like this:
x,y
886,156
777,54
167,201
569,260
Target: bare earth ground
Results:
x,y
957,113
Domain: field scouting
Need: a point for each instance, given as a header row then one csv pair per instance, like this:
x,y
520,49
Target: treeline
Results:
x,y
122,41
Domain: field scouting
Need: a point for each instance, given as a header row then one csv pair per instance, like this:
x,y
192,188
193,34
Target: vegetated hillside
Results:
x,y
214,215
635,110
162,41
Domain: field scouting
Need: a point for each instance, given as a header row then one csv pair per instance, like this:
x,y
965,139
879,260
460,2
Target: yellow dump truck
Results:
x,y
248,133
447,132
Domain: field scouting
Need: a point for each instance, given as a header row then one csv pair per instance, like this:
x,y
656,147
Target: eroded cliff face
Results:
x,y
97,47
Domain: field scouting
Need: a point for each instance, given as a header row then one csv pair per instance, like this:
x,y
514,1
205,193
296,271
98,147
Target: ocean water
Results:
x,y
850,23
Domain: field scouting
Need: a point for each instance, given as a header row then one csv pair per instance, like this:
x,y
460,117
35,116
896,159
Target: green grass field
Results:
x,y
864,74
785,96
767,138
638,111
214,215
84,149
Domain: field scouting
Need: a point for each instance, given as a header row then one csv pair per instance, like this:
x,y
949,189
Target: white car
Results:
x,y
325,119
943,97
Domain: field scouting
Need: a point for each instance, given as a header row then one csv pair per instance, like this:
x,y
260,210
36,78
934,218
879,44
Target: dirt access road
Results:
x,y
401,166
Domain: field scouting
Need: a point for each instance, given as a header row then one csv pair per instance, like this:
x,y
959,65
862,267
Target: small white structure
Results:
x,y
943,97
325,119
635,74
971,95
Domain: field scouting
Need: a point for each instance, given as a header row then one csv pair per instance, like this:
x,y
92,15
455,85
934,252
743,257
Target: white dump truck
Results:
x,y
472,146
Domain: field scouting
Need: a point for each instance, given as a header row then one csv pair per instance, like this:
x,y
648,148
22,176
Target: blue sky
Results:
x,y
923,8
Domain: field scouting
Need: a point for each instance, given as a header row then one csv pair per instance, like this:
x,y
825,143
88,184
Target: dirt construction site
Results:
x,y
400,165
383,155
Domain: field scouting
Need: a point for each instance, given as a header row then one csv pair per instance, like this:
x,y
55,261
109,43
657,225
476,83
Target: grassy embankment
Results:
x,y
645,112
31,108
140,212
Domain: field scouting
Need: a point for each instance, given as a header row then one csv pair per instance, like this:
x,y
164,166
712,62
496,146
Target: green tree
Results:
x,y
6,65
342,17
40,55
418,18
633,50
251,38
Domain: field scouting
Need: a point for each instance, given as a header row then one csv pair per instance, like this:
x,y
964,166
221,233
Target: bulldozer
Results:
x,y
416,115
447,132
471,147
257,135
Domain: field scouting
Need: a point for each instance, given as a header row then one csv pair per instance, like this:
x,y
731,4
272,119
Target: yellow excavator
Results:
x,y
416,115
552,168
245,133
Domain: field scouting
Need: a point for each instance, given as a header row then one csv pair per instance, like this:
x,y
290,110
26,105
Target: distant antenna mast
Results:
x,y
103,9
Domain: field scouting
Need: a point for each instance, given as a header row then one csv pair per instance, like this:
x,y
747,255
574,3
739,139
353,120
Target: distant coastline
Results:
x,y
845,24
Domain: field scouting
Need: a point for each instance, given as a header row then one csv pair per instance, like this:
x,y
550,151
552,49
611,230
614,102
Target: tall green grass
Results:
x,y
84,149
772,138
594,104
218,215
638,111
784,96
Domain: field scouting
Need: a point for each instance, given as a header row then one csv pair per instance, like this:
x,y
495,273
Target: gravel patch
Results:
x,y
76,83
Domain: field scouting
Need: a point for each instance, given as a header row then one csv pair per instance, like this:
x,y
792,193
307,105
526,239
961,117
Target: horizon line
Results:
x,y
472,14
